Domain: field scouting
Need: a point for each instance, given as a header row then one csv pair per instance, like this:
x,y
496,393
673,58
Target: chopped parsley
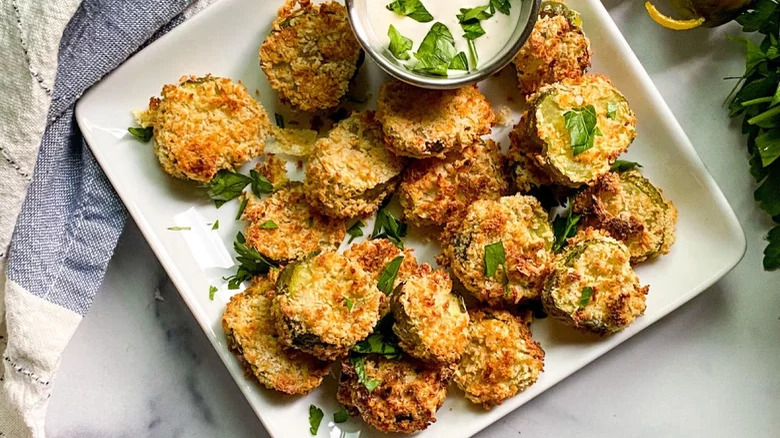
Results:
x,y
413,9
470,20
437,52
621,166
356,230
226,185
341,416
260,184
388,227
587,293
251,263
242,207
399,44
179,228
360,369
142,134
216,225
378,343
582,126
269,225
389,273
349,303
502,6
212,292
315,418
564,227
279,120
611,111
494,257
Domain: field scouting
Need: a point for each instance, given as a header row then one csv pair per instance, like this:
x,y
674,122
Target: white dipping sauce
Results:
x,y
498,28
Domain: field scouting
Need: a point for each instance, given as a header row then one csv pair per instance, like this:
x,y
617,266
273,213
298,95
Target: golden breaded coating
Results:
x,y
405,401
350,172
523,227
274,170
633,211
430,321
204,125
437,191
252,338
422,123
555,50
592,286
525,173
326,304
295,228
543,137
310,55
500,360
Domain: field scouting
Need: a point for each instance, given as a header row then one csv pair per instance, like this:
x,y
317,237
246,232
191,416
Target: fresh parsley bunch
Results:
x,y
757,99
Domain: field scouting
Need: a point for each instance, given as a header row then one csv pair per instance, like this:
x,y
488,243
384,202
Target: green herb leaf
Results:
x,y
226,185
564,227
772,251
377,343
436,51
768,194
494,257
612,111
241,208
587,293
269,225
341,416
142,134
582,126
768,145
360,369
251,263
621,166
356,230
216,225
413,9
473,53
315,418
389,273
399,44
478,13
502,6
388,227
260,184
756,19
179,228
212,292
279,120
349,303
459,62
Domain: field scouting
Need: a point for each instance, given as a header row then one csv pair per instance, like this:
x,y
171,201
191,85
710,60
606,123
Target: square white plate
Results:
x,y
224,40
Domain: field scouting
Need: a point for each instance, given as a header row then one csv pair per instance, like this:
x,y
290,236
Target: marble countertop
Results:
x,y
139,364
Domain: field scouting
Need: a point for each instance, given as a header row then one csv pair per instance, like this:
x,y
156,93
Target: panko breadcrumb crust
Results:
x,y
555,50
274,169
633,211
501,359
421,123
522,225
310,55
252,338
350,172
204,125
300,229
311,310
437,191
405,401
430,321
595,260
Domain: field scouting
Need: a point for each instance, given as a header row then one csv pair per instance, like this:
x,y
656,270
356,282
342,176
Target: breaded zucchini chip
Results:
x,y
522,227
310,55
350,172
500,360
406,397
423,123
556,49
592,286
252,337
285,227
430,321
632,210
374,255
437,191
326,304
204,125
525,174
575,129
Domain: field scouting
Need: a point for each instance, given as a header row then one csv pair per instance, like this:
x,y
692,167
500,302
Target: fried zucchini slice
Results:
x,y
251,336
593,287
350,172
501,358
407,395
430,321
633,211
325,305
544,137
523,227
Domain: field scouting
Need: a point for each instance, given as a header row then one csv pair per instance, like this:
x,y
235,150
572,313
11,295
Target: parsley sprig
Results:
x,y
388,227
757,100
251,263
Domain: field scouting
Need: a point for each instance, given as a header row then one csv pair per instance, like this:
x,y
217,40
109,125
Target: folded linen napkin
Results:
x,y
65,217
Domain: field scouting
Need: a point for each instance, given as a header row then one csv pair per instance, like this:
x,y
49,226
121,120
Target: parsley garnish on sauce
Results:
x,y
587,293
437,52
315,418
582,126
413,9
399,44
142,134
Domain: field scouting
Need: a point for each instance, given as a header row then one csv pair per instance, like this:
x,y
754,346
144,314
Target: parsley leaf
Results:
x,y
349,303
260,184
251,263
494,257
179,228
269,225
768,146
611,111
242,207
772,251
413,9
315,418
436,51
587,293
399,44
216,225
388,227
212,292
341,416
279,120
621,166
356,230
360,369
389,273
502,6
377,343
582,126
142,134
459,62
564,226
226,185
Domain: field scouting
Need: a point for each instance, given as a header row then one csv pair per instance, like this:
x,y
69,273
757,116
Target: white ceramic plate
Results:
x,y
224,40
